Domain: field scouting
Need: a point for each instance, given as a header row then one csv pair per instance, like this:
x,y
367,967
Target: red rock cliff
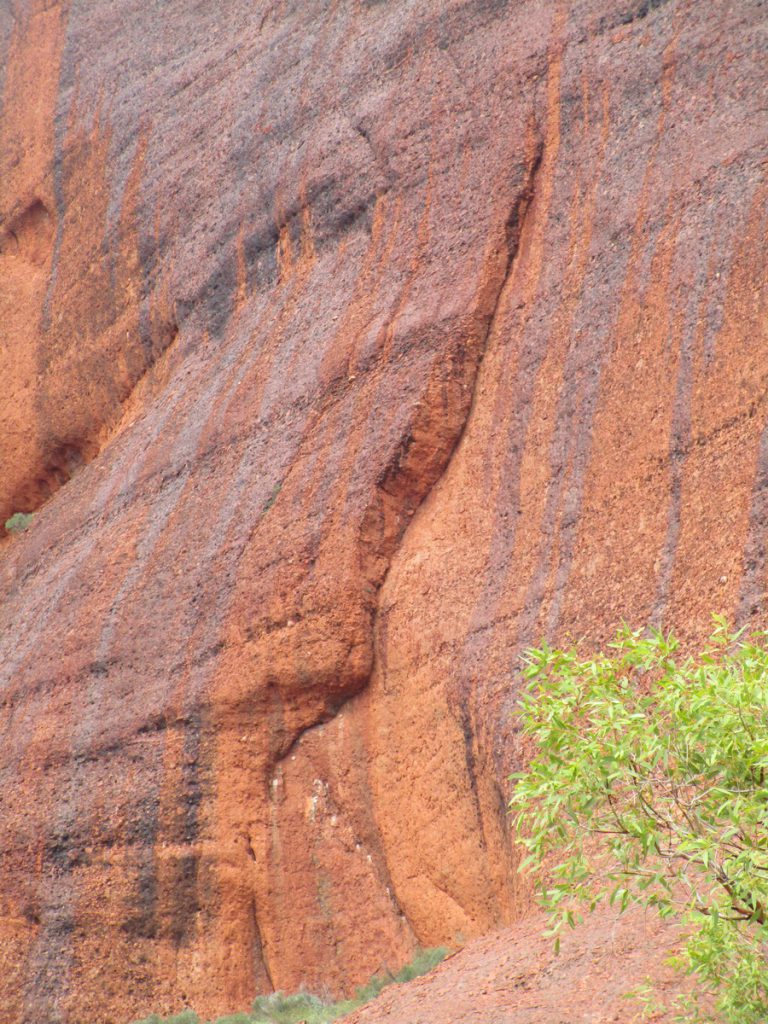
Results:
x,y
346,348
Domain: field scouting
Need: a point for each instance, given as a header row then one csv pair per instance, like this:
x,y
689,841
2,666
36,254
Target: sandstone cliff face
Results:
x,y
347,348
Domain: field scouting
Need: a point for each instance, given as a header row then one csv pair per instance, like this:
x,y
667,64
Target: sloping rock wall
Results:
x,y
347,347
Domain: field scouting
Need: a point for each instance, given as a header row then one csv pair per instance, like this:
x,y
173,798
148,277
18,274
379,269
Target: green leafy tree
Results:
x,y
648,787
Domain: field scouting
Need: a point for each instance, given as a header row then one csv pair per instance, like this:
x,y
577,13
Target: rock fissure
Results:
x,y
301,733
426,448
260,952
419,460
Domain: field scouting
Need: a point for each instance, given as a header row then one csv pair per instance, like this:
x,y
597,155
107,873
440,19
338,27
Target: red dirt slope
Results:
x,y
513,977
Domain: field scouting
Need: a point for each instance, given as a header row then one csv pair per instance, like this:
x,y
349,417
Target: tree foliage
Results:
x,y
649,787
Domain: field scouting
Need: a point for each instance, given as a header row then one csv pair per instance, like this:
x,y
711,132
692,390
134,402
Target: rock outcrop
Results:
x,y
347,348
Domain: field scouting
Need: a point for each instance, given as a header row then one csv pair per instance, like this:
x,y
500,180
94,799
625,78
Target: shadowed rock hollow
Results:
x,y
346,348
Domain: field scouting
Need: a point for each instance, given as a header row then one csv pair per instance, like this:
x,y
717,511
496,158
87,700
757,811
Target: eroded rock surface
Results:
x,y
347,348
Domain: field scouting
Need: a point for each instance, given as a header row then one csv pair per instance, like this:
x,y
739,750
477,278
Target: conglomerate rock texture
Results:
x,y
347,346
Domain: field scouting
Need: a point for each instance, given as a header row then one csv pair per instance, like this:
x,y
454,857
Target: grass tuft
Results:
x,y
19,522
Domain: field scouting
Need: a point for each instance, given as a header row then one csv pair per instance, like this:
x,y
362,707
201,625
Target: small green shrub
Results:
x,y
650,788
19,522
278,1008
422,963
272,498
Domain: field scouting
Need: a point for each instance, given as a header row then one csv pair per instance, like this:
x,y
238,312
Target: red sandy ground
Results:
x,y
513,977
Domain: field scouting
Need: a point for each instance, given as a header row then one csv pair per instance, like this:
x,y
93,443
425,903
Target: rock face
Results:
x,y
347,348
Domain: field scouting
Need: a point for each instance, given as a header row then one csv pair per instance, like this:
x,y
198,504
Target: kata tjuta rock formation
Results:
x,y
346,348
